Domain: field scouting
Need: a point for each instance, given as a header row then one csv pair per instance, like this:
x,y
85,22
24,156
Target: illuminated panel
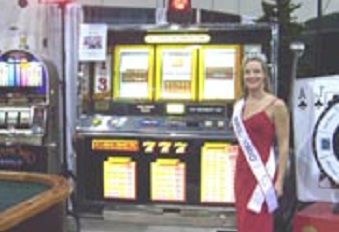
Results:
x,y
115,145
179,5
219,70
177,39
175,108
23,73
217,173
4,74
176,73
120,178
133,72
102,81
34,75
168,180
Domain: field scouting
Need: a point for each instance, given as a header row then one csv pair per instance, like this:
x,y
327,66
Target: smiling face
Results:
x,y
254,75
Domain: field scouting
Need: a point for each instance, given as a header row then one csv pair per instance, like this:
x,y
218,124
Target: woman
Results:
x,y
259,120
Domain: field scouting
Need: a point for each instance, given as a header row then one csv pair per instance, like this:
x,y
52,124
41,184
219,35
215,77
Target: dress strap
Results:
x,y
270,104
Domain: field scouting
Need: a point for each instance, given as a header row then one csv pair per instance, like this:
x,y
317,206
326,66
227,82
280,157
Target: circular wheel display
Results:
x,y
326,140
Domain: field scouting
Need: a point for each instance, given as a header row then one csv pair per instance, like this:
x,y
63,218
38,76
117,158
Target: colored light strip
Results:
x,y
176,38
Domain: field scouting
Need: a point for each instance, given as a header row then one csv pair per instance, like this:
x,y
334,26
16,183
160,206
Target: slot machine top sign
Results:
x,y
21,72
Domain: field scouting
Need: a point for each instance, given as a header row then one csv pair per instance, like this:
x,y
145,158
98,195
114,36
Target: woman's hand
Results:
x,y
279,188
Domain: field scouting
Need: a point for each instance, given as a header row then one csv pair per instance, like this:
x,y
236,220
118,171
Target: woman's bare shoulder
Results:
x,y
280,106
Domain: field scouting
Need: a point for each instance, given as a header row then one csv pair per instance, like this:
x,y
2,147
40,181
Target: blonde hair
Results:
x,y
261,58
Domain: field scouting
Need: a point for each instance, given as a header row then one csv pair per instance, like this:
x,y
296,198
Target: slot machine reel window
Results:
x,y
218,72
176,73
133,73
22,74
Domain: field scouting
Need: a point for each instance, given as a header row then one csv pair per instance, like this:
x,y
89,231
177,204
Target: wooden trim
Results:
x,y
59,191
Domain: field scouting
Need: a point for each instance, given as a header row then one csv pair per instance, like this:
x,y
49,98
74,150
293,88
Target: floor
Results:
x,y
155,220
104,226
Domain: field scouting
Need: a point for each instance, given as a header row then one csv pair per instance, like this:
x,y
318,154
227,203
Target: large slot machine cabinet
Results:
x,y
28,113
154,124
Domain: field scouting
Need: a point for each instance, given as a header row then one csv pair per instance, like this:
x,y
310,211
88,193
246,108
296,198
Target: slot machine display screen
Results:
x,y
162,73
133,72
219,67
22,74
176,73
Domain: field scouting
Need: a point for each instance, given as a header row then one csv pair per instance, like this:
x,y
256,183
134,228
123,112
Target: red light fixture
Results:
x,y
55,1
179,11
179,5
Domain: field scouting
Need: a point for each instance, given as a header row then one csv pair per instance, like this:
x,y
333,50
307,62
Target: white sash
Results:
x,y
263,174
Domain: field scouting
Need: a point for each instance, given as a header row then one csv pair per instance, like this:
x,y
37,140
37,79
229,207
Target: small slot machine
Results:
x,y
28,96
159,132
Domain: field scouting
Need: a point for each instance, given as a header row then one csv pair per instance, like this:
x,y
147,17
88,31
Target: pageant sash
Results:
x,y
264,190
258,198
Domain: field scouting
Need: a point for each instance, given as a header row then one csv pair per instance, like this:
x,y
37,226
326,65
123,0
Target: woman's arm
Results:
x,y
282,127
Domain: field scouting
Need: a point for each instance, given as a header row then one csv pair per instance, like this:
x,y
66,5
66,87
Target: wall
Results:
x,y
16,21
250,8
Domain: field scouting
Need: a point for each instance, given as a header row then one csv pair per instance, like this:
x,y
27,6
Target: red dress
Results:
x,y
261,131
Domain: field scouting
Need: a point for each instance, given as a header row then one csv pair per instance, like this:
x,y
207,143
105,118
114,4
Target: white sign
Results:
x,y
93,42
315,138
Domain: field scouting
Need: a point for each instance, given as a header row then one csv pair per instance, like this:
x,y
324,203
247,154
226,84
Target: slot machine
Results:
x,y
28,113
154,125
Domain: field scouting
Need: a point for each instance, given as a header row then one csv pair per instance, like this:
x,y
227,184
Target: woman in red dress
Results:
x,y
266,120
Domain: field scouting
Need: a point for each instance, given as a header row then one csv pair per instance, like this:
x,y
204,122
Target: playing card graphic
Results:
x,y
319,98
316,138
302,99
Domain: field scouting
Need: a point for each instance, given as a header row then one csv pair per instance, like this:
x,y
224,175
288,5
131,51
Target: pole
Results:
x,y
318,37
66,170
320,11
63,90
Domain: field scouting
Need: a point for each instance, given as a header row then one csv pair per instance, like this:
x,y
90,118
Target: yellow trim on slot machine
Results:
x,y
238,87
194,86
115,74
116,64
237,67
158,72
158,58
151,73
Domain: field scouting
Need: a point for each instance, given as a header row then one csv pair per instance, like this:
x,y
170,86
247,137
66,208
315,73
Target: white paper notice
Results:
x,y
93,42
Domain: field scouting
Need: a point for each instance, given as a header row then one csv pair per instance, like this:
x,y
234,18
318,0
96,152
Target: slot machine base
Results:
x,y
172,215
318,217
